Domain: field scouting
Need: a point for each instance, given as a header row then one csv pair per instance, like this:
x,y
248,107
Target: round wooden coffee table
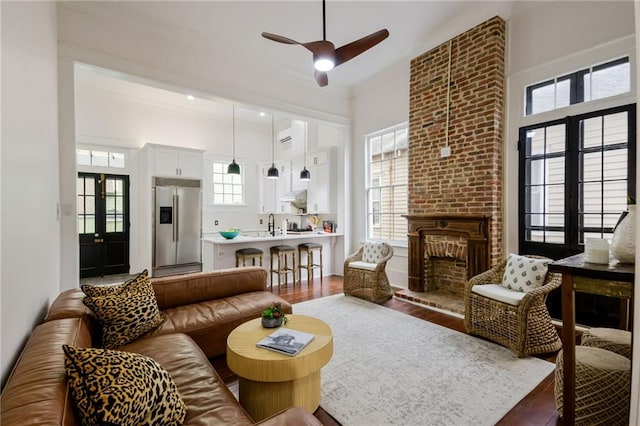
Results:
x,y
271,382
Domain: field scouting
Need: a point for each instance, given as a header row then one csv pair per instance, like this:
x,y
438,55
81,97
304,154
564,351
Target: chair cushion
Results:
x,y
126,312
523,273
363,265
114,387
499,293
374,251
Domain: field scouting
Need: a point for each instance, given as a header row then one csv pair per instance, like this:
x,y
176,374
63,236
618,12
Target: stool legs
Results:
x,y
283,258
310,265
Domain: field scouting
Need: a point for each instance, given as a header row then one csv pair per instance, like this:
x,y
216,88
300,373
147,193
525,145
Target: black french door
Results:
x,y
103,224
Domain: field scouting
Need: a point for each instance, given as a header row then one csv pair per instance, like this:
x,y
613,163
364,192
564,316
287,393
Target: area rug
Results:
x,y
392,368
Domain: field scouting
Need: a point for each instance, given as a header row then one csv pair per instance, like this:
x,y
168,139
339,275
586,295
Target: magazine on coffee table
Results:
x,y
286,341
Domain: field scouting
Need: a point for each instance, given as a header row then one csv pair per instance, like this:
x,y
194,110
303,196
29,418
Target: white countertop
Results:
x,y
240,239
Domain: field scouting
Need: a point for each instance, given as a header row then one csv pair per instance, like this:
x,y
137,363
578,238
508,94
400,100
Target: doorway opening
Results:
x,y
103,224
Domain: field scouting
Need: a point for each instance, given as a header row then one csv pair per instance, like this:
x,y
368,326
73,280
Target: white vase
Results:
x,y
623,243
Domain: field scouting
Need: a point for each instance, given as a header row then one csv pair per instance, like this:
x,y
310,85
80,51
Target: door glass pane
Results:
x,y
615,128
615,164
556,138
110,224
592,132
90,224
90,205
89,186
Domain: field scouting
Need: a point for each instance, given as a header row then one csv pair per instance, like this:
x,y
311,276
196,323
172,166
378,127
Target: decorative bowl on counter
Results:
x,y
230,234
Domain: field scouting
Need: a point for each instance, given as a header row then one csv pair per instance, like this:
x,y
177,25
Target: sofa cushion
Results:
x,y
127,312
210,323
363,265
523,273
207,398
115,387
499,293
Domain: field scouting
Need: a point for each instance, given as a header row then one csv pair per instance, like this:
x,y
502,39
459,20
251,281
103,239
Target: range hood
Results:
x,y
297,198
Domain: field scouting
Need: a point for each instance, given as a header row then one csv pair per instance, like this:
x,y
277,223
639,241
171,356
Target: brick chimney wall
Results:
x,y
470,180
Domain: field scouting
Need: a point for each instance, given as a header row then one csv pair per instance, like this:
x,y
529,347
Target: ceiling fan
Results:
x,y
325,54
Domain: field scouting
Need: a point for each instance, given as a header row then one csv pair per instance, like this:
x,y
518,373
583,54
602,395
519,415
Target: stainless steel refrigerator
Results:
x,y
177,226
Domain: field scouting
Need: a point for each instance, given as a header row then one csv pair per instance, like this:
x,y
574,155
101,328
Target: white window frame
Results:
x,y
369,187
225,184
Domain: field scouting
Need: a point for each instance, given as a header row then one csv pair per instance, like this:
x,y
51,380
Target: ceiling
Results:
x,y
232,30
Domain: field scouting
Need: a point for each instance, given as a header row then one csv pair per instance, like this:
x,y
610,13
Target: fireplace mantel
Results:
x,y
474,228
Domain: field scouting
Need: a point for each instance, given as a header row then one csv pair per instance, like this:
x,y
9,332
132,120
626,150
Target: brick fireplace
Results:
x,y
446,250
467,76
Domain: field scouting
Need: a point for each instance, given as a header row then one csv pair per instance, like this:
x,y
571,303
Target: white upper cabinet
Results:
x,y
320,192
268,191
177,162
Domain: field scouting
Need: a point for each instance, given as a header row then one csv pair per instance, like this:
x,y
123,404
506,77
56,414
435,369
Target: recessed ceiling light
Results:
x,y
190,97
262,114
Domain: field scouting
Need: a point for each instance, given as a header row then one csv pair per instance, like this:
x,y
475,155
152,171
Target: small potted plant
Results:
x,y
273,316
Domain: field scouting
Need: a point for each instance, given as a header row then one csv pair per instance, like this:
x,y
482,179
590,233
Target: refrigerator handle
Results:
x,y
175,216
177,221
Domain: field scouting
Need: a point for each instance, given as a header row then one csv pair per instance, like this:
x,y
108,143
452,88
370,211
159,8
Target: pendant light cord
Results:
x,y
305,144
233,130
272,142
446,130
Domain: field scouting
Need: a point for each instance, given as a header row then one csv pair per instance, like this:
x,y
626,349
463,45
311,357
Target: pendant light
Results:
x,y
272,173
234,168
305,175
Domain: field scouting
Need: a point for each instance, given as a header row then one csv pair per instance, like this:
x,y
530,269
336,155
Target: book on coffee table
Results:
x,y
286,341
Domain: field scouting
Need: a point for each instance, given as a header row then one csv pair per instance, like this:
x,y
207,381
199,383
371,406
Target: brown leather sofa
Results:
x,y
200,311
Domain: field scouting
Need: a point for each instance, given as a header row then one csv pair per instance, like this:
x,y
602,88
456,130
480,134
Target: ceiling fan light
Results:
x,y
323,64
272,173
305,175
234,168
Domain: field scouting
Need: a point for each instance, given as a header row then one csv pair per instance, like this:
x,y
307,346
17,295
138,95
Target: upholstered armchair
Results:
x,y
514,317
364,272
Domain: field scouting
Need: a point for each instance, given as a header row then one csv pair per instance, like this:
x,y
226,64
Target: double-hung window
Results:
x,y
387,181
576,175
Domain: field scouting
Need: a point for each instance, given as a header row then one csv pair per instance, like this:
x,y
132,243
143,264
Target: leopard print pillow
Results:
x,y
123,388
127,313
108,290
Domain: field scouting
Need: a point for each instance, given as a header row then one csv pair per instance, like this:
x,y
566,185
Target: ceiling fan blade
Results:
x,y
353,49
321,78
279,38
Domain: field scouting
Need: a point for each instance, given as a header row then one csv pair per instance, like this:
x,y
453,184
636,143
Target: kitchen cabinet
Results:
x,y
268,191
178,162
283,186
320,189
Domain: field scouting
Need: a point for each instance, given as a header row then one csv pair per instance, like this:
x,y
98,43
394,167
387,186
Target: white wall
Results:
x,y
30,261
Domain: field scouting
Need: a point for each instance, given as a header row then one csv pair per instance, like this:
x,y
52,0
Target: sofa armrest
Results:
x,y
294,416
180,290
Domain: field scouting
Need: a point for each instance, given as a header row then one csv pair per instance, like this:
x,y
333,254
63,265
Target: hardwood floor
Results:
x,y
536,409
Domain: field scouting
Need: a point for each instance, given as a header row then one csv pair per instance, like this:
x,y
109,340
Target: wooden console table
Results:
x,y
612,280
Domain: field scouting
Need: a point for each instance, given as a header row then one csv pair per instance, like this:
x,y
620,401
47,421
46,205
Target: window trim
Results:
x,y
242,184
392,185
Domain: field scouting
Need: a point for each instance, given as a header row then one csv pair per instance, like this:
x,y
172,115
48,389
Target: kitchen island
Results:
x,y
220,253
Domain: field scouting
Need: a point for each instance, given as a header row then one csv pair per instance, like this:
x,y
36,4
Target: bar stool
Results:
x,y
282,251
248,253
309,249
